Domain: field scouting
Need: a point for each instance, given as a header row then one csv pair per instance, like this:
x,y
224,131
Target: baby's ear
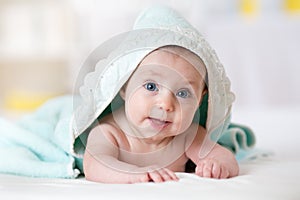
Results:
x,y
122,92
204,92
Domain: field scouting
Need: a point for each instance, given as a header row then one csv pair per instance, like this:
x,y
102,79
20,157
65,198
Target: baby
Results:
x,y
155,133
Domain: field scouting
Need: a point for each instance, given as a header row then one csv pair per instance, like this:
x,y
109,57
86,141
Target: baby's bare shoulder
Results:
x,y
195,130
195,135
106,124
108,128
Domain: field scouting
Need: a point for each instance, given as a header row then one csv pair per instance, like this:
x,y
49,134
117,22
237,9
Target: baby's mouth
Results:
x,y
158,123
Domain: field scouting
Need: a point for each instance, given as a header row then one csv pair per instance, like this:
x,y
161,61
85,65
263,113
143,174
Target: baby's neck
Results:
x,y
143,145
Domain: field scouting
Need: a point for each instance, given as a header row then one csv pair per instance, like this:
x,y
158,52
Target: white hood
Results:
x,y
154,28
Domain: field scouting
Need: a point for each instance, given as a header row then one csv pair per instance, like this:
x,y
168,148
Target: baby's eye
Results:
x,y
184,93
150,86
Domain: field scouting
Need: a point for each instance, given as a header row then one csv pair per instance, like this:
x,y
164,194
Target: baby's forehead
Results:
x,y
176,58
172,52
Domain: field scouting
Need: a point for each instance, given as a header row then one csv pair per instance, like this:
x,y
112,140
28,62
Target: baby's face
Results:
x,y
163,95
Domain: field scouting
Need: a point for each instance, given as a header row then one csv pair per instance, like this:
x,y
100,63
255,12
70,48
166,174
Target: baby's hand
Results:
x,y
153,174
212,168
162,175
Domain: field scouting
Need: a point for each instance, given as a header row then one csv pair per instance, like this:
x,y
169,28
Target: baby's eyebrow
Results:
x,y
192,83
155,73
195,84
150,72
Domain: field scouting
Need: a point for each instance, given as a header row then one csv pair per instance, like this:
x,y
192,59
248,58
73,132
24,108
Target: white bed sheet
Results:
x,y
276,176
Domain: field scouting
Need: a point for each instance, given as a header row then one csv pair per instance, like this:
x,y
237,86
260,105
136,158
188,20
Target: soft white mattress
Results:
x,y
272,174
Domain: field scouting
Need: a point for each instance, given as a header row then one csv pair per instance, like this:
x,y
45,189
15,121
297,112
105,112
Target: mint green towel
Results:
x,y
237,137
41,144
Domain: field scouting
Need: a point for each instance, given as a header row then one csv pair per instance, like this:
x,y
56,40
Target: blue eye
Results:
x,y
150,86
183,93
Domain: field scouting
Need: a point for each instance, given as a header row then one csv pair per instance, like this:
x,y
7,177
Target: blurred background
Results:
x,y
44,43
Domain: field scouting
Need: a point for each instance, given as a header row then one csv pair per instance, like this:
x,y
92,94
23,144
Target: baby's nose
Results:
x,y
167,101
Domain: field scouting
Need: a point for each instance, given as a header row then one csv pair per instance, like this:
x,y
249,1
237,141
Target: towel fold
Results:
x,y
237,137
40,144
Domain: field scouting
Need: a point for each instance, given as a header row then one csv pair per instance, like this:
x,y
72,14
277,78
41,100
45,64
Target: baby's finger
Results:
x,y
155,177
224,173
171,174
207,168
144,178
199,169
216,170
164,175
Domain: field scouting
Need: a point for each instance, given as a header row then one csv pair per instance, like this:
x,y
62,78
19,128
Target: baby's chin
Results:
x,y
155,130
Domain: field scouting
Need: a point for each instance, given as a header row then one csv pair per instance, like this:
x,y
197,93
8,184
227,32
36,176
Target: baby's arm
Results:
x,y
101,162
217,161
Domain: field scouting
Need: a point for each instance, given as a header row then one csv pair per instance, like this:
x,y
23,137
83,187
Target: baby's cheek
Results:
x,y
186,121
132,111
188,112
187,115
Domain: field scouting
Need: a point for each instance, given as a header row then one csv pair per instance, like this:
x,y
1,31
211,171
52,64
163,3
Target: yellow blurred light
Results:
x,y
249,7
24,101
292,5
